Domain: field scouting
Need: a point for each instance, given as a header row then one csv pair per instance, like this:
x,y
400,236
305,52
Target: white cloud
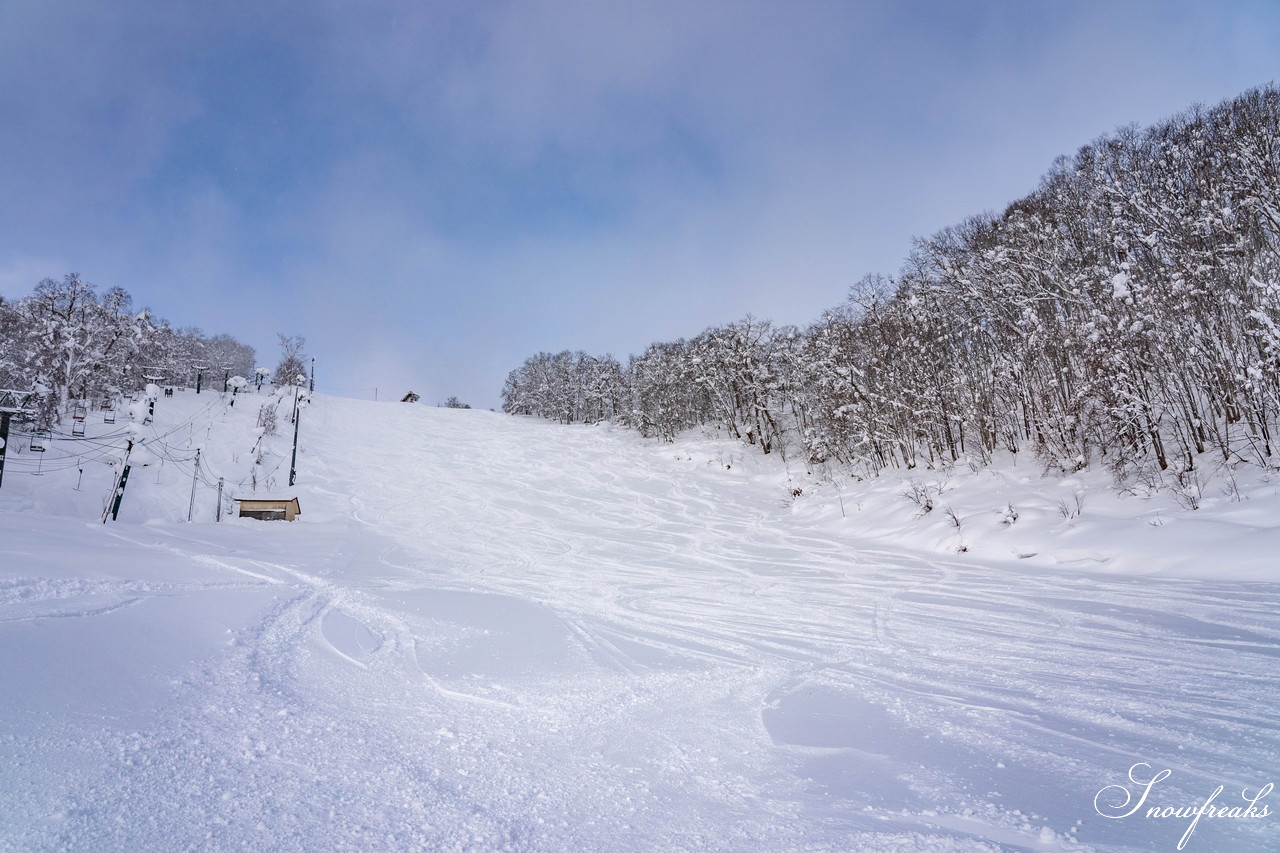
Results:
x,y
432,191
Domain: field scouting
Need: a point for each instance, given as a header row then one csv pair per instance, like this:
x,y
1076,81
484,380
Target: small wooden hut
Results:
x,y
269,509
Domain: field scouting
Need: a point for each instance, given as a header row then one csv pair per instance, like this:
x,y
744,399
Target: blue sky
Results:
x,y
432,190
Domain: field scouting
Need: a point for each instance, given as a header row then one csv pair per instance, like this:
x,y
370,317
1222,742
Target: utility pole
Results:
x,y
218,515
313,375
191,507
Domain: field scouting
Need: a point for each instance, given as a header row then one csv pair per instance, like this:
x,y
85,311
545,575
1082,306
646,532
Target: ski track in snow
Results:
x,y
507,635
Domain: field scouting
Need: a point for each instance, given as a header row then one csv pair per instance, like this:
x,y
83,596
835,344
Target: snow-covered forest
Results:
x,y
1125,314
67,342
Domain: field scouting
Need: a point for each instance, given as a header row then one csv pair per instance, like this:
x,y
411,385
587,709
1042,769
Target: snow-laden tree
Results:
x,y
79,343
292,364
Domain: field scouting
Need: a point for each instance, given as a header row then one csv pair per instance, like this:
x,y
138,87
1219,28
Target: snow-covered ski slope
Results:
x,y
490,633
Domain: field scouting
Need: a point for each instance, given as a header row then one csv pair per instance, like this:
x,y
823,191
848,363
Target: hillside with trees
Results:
x,y
68,342
1124,314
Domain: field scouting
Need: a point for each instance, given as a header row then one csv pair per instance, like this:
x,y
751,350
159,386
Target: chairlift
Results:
x,y
108,415
79,413
77,428
40,440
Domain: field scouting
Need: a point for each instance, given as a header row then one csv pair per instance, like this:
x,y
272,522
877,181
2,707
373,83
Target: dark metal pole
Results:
x,y
113,503
313,375
4,441
293,463
124,481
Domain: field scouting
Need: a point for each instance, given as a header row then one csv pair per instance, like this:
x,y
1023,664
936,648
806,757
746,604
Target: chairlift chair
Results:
x,y
79,413
40,440
108,416
77,428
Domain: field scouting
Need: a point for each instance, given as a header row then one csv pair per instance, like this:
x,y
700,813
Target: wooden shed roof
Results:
x,y
270,503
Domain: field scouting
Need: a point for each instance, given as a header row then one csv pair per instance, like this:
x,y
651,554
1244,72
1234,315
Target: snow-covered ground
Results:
x,y
490,633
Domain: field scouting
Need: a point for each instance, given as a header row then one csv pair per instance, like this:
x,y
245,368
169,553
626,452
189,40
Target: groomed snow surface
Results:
x,y
487,633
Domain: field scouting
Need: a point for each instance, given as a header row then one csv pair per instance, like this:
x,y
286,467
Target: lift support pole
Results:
x,y
293,463
4,441
113,505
